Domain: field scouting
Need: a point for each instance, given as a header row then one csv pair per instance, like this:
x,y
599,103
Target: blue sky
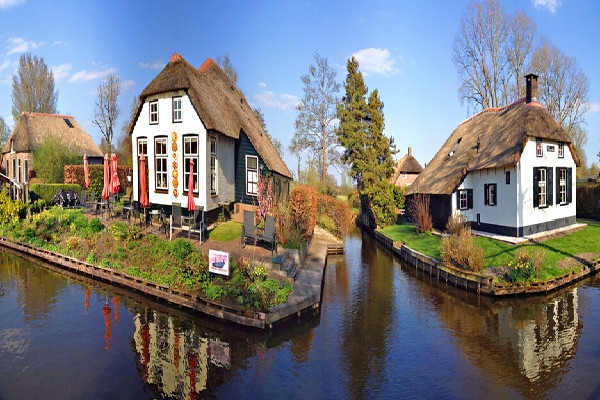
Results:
x,y
404,49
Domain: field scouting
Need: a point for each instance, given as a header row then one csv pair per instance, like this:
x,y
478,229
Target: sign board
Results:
x,y
550,148
218,262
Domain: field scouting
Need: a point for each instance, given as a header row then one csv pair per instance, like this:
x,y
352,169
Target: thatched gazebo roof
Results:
x,y
220,105
32,129
494,138
406,165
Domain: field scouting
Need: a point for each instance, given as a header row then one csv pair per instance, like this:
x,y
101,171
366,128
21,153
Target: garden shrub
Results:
x,y
527,264
96,225
460,251
181,249
381,203
50,158
74,174
288,232
456,225
338,216
303,207
259,273
587,197
133,233
419,212
118,231
10,211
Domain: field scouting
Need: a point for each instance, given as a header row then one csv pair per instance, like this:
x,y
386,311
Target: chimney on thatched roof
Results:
x,y
531,93
410,151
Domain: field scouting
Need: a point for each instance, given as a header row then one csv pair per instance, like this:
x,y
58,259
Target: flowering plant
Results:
x,y
265,197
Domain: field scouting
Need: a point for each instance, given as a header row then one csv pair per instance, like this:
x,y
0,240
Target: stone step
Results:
x,y
287,266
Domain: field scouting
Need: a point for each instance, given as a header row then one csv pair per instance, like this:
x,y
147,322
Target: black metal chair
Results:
x,y
175,222
197,223
248,229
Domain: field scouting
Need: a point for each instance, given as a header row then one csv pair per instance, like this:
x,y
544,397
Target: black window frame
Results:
x,y
490,188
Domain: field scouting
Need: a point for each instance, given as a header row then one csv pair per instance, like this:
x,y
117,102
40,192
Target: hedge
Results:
x,y
339,213
303,206
47,191
75,174
588,196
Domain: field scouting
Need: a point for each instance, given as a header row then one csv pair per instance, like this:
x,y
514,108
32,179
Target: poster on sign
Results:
x,y
218,262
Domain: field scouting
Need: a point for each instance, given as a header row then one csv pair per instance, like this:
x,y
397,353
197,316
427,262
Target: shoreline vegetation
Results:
x,y
529,262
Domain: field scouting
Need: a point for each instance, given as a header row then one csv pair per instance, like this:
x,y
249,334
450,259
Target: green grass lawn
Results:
x,y
226,232
497,253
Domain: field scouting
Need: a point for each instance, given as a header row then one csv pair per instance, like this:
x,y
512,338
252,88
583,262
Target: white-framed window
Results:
x,y
19,170
539,149
251,175
562,181
142,147
160,163
463,199
561,150
190,152
542,199
153,105
213,166
490,194
177,109
26,171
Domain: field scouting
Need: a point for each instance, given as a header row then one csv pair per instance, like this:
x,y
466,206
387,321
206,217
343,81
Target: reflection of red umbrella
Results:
x,y
86,171
191,206
143,183
115,301
192,361
87,300
115,176
106,190
106,312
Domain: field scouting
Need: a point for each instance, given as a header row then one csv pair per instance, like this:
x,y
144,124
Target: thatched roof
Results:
x,y
33,129
406,165
502,135
219,103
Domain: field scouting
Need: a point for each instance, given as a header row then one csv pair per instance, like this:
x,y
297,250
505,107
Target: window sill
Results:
x,y
161,191
185,193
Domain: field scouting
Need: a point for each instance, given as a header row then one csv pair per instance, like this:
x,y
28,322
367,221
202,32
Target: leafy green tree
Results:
x,y
50,159
4,132
315,122
368,151
33,87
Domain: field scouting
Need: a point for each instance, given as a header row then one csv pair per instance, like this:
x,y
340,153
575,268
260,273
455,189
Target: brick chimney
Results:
x,y
410,151
531,90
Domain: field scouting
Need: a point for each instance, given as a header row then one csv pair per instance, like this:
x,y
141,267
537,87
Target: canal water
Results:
x,y
384,331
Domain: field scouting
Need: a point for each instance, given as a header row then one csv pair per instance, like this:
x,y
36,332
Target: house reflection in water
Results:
x,y
174,359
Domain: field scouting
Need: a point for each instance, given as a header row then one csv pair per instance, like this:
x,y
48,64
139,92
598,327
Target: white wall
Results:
x,y
530,215
191,124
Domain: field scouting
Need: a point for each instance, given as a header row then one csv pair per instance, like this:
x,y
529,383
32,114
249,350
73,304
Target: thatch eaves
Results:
x,y
220,105
493,138
32,129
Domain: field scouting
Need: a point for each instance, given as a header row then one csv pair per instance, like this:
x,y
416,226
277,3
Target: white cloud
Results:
x,y
10,3
4,65
127,84
20,45
61,71
58,43
551,5
375,61
594,106
84,76
158,64
283,102
262,84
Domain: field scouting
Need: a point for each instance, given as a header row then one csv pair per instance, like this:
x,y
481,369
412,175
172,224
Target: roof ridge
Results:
x,y
496,109
33,113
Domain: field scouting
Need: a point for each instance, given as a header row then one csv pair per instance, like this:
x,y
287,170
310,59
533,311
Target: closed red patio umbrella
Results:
x,y
115,176
191,206
106,190
86,171
143,183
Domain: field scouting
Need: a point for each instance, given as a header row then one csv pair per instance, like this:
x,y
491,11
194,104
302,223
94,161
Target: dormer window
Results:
x,y
561,150
177,109
154,112
539,149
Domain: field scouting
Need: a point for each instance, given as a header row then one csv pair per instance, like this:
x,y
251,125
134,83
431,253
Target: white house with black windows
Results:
x,y
507,170
199,114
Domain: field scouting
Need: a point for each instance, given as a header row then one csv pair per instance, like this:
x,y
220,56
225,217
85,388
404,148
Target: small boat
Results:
x,y
218,264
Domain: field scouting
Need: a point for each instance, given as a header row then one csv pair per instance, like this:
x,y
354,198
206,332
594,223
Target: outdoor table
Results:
x,y
127,210
101,205
154,215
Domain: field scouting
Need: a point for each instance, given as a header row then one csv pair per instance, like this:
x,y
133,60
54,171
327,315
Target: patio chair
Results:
x,y
248,229
269,234
81,202
197,223
128,207
175,222
90,202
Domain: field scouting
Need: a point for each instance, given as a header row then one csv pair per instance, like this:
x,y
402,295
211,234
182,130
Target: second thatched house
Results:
x,y
507,171
32,130
199,114
406,171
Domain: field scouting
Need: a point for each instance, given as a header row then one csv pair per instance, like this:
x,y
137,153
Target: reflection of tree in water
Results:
x,y
366,324
529,342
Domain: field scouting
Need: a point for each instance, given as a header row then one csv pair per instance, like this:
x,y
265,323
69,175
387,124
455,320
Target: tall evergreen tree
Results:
x,y
366,149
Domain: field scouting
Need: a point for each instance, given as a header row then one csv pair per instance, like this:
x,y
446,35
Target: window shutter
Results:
x,y
469,198
569,185
458,199
495,196
486,194
536,187
549,186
